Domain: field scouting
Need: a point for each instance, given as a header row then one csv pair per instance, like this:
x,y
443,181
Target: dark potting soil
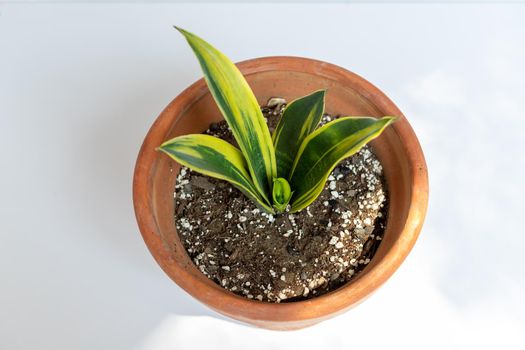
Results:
x,y
283,257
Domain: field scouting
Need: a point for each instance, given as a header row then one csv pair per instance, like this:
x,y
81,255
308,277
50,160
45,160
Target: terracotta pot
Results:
x,y
290,77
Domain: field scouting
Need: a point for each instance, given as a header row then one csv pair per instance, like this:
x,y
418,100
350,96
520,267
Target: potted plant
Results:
x,y
282,216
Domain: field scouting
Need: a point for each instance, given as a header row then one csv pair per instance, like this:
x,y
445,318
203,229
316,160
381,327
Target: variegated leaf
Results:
x,y
299,119
241,110
217,158
322,150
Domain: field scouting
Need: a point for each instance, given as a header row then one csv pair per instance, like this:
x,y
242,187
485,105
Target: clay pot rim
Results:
x,y
327,304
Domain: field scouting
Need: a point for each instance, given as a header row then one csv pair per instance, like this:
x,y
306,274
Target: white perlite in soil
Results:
x,y
283,257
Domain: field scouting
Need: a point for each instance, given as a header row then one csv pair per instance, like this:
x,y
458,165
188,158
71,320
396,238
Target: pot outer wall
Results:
x,y
289,77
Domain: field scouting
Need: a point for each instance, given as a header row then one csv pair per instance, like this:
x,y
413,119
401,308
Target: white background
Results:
x,y
81,84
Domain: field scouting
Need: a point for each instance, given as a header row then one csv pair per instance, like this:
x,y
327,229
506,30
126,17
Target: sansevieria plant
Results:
x,y
286,170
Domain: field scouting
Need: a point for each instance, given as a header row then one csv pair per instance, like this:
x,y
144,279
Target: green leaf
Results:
x,y
299,119
217,158
281,193
241,110
322,150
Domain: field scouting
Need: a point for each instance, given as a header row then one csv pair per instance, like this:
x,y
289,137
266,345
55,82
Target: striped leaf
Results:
x,y
217,158
323,149
299,119
241,111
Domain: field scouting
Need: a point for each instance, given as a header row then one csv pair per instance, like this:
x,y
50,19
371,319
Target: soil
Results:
x,y
283,257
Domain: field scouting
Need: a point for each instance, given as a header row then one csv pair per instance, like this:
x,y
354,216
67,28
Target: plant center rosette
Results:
x,y
292,202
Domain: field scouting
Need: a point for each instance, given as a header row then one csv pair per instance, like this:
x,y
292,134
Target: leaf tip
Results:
x,y
183,31
391,119
321,92
162,148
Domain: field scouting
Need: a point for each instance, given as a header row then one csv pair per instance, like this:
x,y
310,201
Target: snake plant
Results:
x,y
286,170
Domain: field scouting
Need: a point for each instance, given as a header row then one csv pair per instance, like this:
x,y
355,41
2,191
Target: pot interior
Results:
x,y
341,99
